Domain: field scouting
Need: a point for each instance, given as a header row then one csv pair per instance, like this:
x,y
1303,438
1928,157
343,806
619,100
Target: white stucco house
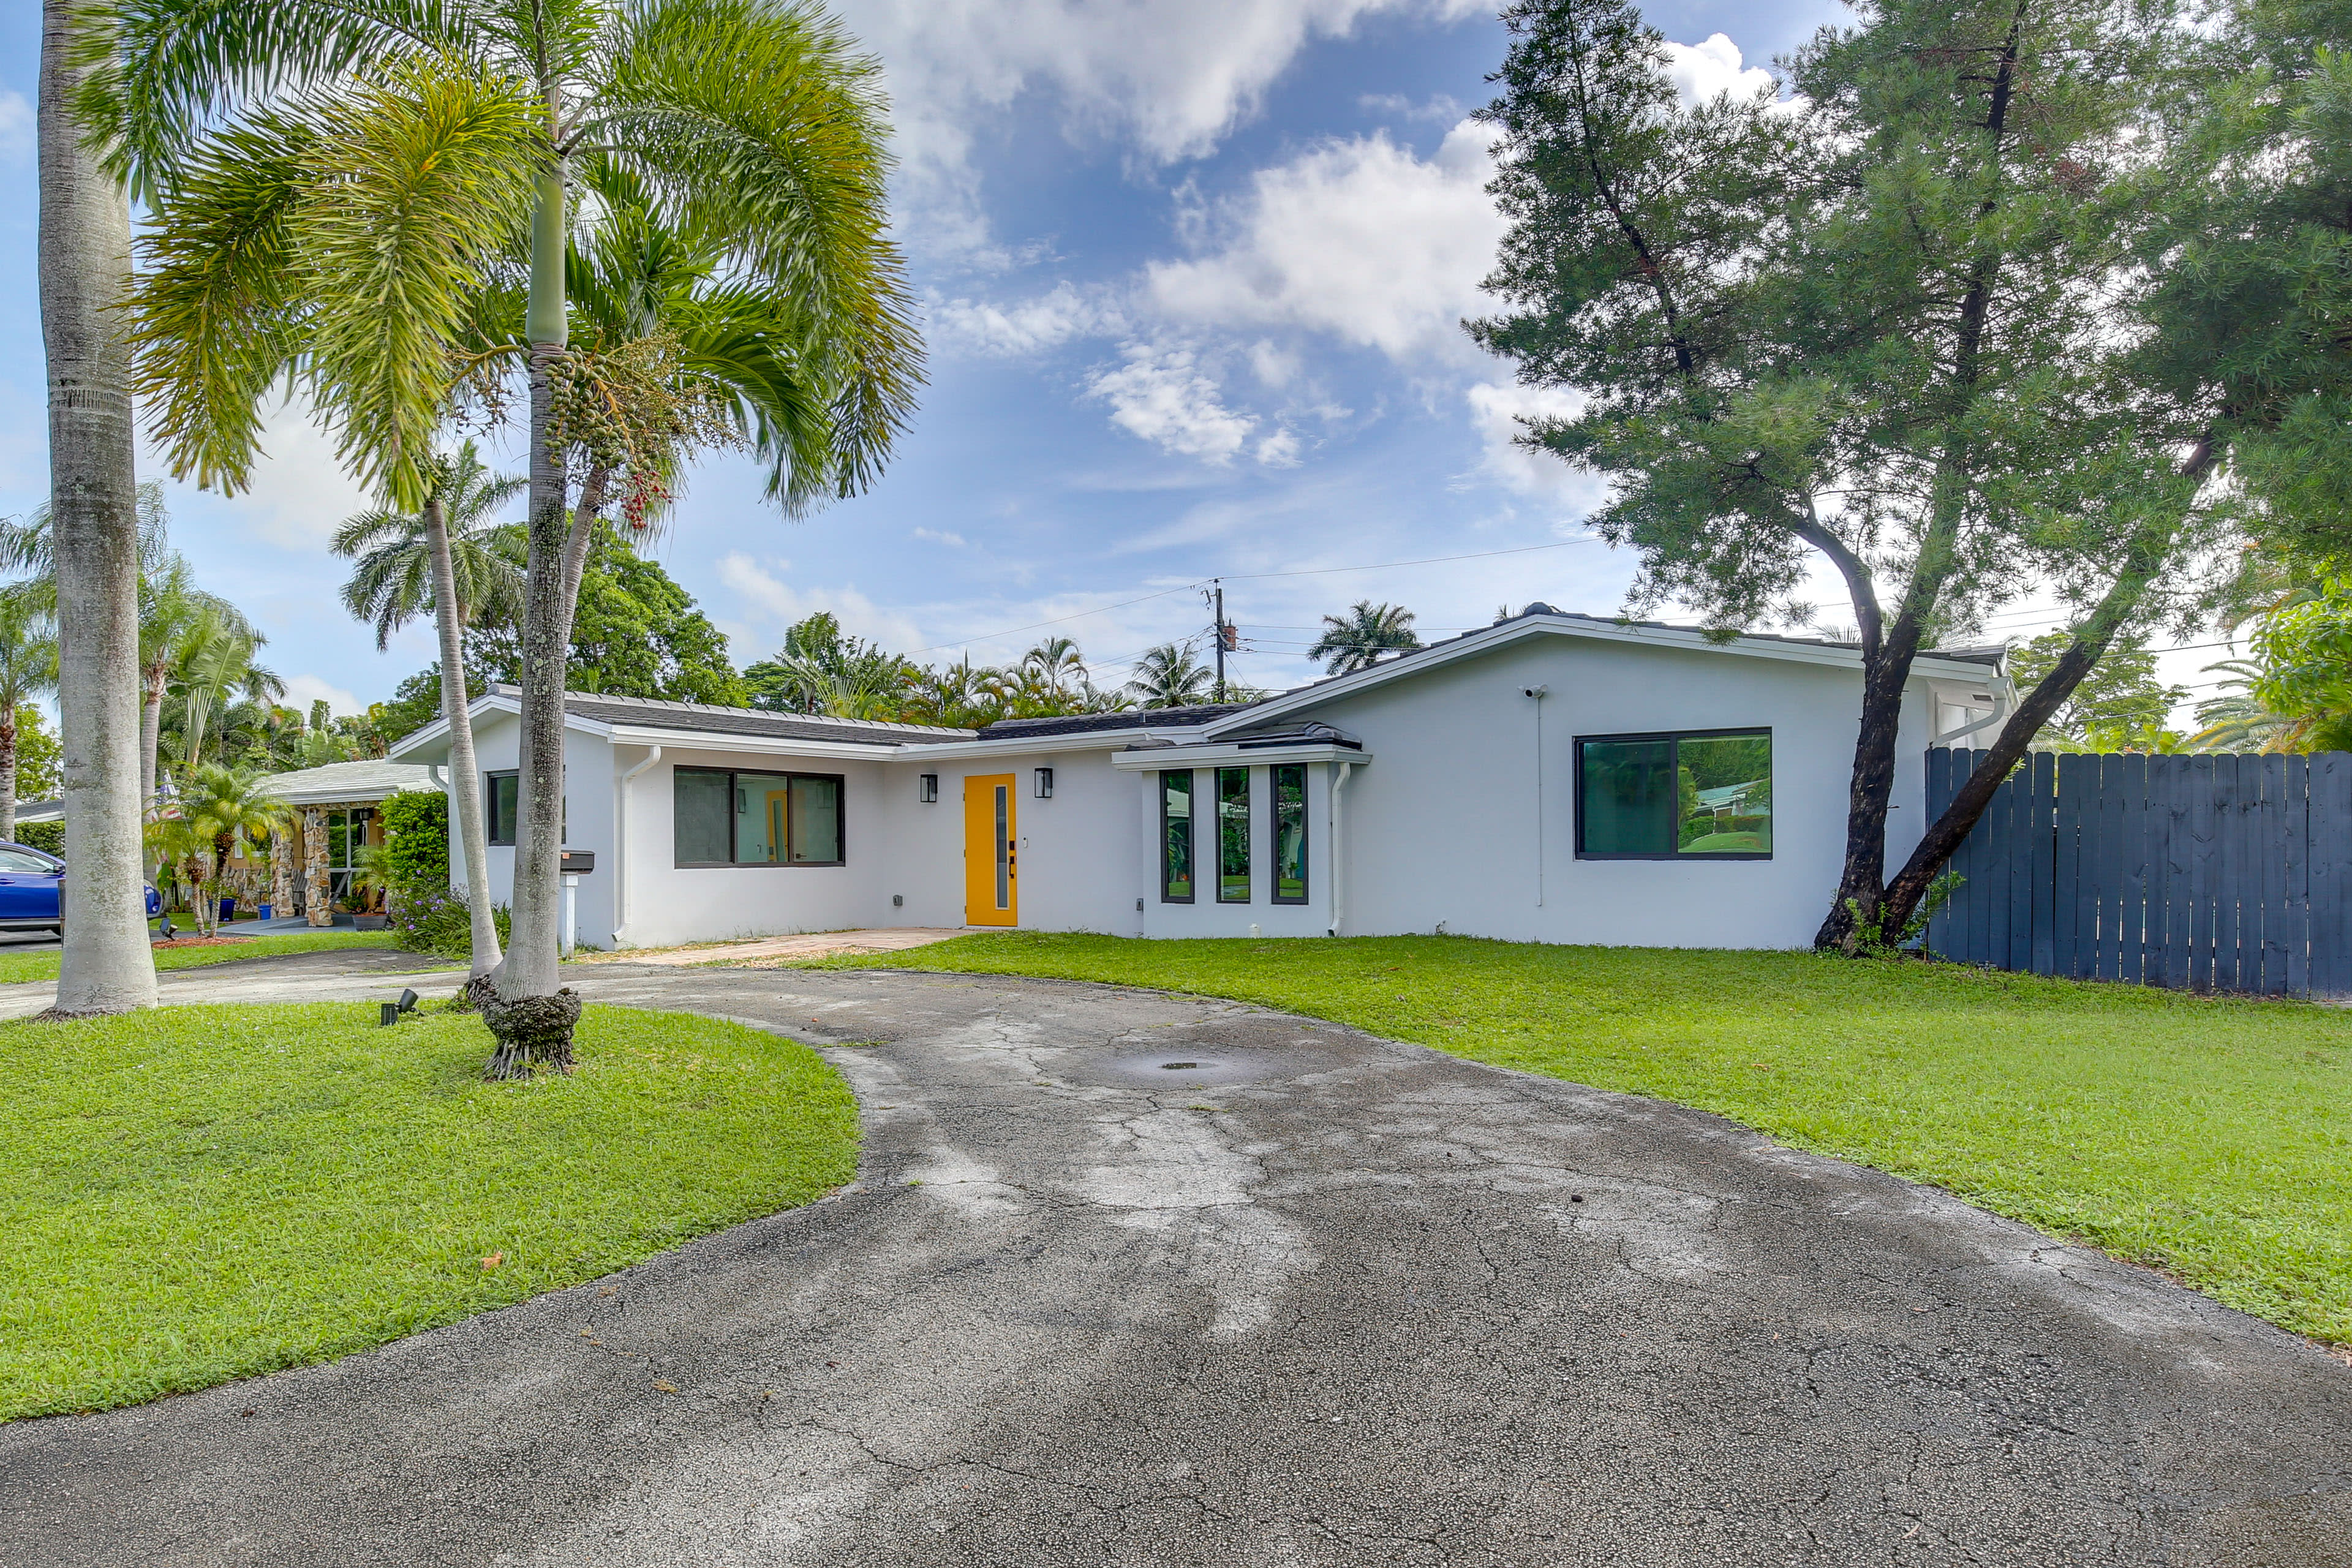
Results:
x,y
1554,777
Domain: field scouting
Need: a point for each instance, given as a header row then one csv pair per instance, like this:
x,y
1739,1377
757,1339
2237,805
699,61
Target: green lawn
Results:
x,y
196,1194
21,966
2210,1138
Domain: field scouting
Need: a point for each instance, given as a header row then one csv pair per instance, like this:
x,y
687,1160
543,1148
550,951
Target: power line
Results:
x,y
1302,571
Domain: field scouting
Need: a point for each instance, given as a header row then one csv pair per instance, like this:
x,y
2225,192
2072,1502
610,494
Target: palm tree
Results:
x,y
220,807
175,615
1169,677
28,665
85,269
212,666
450,553
1356,641
1057,666
345,230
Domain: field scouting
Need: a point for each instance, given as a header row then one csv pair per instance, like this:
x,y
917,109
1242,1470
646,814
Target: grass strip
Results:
x,y
2210,1137
23,967
190,1194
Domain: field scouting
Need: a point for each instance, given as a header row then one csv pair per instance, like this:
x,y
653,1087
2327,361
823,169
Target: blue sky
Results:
x,y
1191,273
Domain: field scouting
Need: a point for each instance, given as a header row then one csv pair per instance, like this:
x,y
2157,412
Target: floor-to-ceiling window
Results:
x,y
1232,836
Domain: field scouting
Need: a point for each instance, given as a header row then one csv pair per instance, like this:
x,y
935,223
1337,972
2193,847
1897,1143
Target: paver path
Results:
x,y
1313,1298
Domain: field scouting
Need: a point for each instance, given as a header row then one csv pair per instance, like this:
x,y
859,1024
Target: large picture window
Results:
x,y
1232,836
1289,792
1176,836
1698,795
737,818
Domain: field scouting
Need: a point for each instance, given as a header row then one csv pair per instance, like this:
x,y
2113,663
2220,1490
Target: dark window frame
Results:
x,y
491,808
1675,738
1274,821
1192,837
1217,776
840,783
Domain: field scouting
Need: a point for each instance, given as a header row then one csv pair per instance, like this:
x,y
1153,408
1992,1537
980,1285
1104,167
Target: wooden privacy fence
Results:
x,y
2209,873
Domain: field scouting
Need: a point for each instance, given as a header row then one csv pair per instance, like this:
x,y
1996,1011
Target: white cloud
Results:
x,y
300,491
1442,110
1358,239
775,604
1279,450
301,690
940,536
16,128
1498,410
1028,326
1168,77
1160,395
1710,68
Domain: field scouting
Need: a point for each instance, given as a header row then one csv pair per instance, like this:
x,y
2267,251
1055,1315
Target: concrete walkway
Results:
x,y
782,949
1137,1279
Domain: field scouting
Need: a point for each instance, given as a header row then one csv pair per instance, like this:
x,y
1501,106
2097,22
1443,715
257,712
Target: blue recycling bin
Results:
x,y
227,910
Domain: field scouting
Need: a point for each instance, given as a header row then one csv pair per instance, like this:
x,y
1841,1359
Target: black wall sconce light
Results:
x,y
927,788
1045,787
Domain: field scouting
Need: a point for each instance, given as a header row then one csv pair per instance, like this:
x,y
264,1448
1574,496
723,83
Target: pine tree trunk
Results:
x,y
465,776
85,269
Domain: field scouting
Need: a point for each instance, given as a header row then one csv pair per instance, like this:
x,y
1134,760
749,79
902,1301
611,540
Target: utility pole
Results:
x,y
1224,635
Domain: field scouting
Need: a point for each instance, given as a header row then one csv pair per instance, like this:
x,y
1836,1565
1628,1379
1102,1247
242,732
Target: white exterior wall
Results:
x,y
670,903
1080,866
1443,825
1206,916
588,817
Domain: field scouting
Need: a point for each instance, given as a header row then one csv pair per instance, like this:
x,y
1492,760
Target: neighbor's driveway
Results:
x,y
1317,1298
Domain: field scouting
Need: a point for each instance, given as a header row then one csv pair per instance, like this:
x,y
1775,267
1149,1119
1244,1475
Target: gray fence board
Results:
x,y
2229,872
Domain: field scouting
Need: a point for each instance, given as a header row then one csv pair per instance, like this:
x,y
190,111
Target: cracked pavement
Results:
x,y
1315,1298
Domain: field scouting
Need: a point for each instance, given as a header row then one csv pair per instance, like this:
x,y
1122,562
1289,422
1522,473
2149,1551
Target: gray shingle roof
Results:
x,y
703,717
1135,718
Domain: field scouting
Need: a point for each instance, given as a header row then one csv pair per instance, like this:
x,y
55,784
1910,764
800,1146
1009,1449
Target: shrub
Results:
x,y
416,840
436,919
48,836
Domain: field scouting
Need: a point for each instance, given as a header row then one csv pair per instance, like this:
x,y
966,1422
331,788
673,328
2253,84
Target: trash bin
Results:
x,y
227,910
261,912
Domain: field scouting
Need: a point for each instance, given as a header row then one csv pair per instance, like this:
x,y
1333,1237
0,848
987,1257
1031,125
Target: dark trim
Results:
x,y
1274,822
1192,839
491,808
840,783
1675,738
1249,830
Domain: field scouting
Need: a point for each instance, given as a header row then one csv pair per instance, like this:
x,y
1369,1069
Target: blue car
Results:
x,y
32,890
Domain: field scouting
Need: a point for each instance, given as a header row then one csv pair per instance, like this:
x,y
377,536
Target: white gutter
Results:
x,y
2000,711
1339,902
621,846
1153,759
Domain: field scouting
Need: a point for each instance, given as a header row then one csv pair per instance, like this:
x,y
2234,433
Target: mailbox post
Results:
x,y
577,863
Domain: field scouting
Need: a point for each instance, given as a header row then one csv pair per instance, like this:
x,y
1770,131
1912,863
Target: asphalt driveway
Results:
x,y
1135,1280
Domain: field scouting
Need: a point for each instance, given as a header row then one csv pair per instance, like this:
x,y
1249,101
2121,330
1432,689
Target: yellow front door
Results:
x,y
992,872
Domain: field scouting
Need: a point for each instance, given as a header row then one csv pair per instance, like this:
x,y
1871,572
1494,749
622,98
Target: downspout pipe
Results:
x,y
2000,711
1338,847
621,846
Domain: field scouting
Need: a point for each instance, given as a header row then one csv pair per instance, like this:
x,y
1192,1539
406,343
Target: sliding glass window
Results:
x,y
1176,836
1289,792
730,819
1701,794
1232,836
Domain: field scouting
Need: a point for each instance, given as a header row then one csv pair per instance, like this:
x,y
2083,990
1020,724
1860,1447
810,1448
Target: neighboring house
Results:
x,y
336,809
1554,777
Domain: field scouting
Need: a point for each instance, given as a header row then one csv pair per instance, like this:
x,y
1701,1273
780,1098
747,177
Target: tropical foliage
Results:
x,y
1357,640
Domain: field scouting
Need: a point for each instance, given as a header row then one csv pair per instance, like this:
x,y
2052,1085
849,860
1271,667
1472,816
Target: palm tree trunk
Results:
x,y
150,731
9,777
84,268
465,777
